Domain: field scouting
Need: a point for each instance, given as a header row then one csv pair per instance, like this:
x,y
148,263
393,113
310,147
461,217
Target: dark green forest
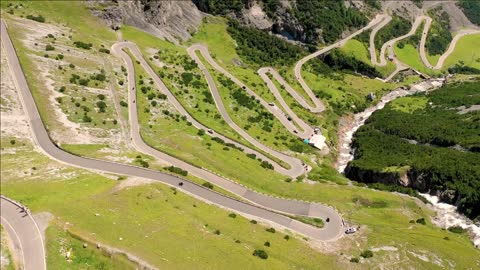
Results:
x,y
398,26
471,8
260,48
439,36
330,16
382,151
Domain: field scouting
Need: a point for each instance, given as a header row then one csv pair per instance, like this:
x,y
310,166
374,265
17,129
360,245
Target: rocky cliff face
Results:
x,y
170,20
420,181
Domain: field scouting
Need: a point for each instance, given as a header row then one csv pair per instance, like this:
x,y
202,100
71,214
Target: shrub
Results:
x,y
270,230
267,244
83,82
101,96
266,165
71,65
252,156
103,50
253,221
60,56
217,232
86,118
286,237
38,18
201,132
101,106
80,44
366,254
162,96
12,142
154,103
456,229
354,260
177,170
49,47
100,77
208,185
421,221
120,82
260,253
232,215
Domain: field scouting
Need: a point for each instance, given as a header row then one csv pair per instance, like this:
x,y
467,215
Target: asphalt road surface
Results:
x,y
25,234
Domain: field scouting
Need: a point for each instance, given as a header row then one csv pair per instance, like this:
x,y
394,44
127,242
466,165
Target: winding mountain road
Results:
x,y
389,45
25,234
262,206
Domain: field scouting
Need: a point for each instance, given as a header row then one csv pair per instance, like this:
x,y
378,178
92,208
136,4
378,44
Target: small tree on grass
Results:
x,y
366,254
260,253
421,221
232,215
101,106
208,185
271,230
201,132
101,96
267,244
456,229
354,260
86,118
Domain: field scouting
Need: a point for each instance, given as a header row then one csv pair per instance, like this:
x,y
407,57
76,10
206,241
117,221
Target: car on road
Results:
x,y
271,104
350,230
210,131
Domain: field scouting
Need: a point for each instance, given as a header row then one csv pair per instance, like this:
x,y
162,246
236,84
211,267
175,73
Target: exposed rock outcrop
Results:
x,y
170,20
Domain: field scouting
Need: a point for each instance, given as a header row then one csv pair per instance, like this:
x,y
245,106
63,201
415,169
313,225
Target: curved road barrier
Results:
x,y
263,206
25,234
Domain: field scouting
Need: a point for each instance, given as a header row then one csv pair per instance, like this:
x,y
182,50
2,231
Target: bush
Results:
x,y
38,18
270,230
86,118
354,260
60,56
80,44
101,96
123,103
177,170
154,103
260,253
101,106
208,185
366,254
201,132
162,96
266,165
456,229
252,156
120,82
217,232
49,47
232,215
12,142
286,237
253,221
421,221
267,244
103,50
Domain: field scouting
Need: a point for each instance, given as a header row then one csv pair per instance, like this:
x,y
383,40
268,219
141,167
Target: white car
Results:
x,y
350,230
